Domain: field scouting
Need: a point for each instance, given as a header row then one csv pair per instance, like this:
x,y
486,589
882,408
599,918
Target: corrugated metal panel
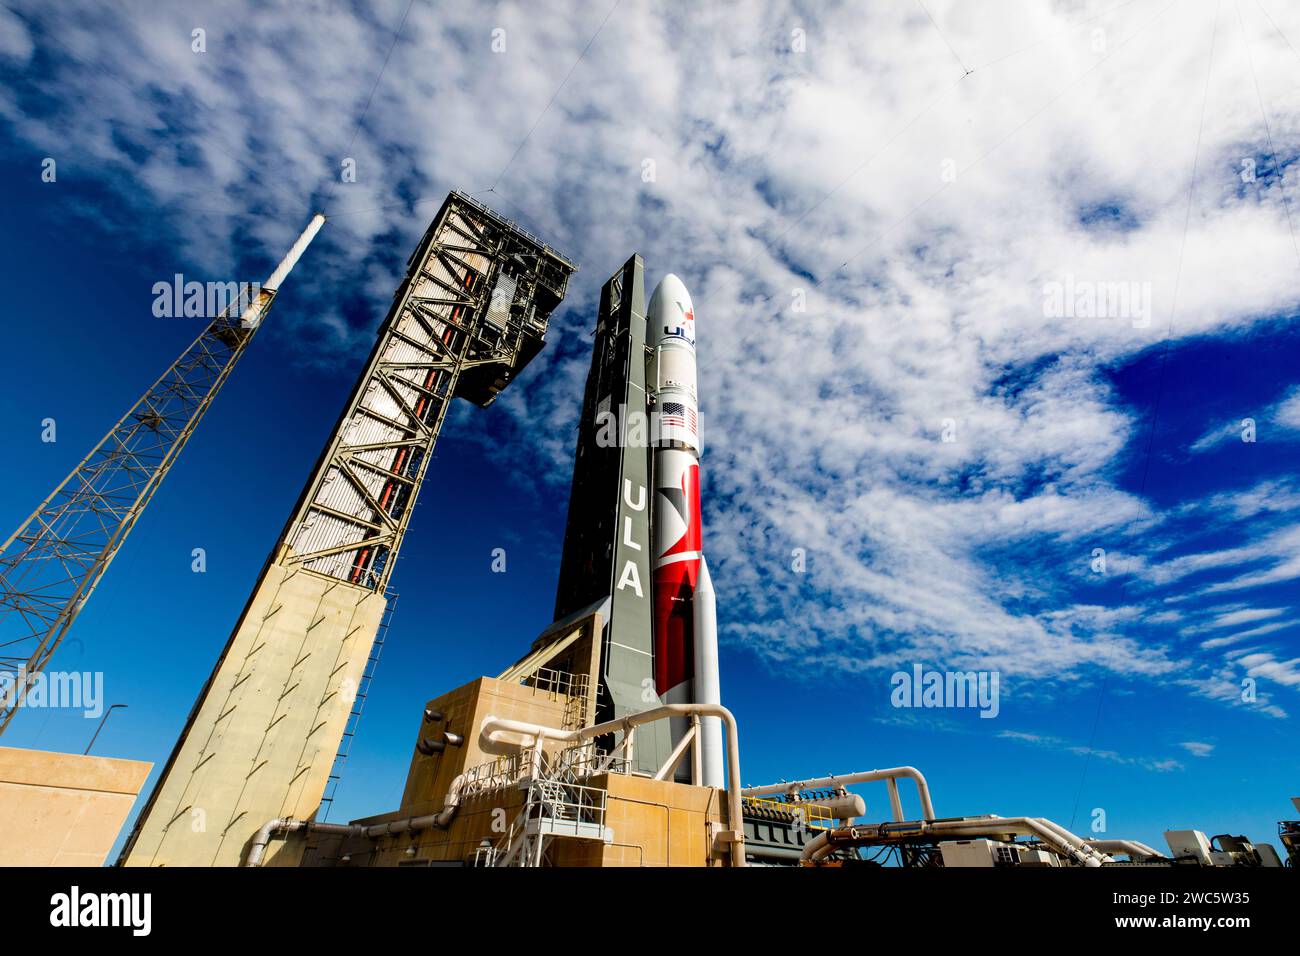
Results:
x,y
428,289
322,531
443,273
503,296
381,401
370,431
399,351
339,494
379,457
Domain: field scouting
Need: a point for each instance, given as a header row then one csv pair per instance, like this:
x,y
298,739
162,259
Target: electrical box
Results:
x,y
1185,844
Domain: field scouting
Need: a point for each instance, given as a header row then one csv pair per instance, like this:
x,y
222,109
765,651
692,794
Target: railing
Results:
x,y
557,685
565,808
496,774
814,816
586,760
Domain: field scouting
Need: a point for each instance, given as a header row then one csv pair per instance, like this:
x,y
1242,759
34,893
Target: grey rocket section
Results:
x,y
607,540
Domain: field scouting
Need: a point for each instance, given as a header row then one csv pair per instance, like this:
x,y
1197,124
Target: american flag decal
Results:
x,y
674,414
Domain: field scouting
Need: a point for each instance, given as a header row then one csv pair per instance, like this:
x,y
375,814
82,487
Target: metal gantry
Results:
x,y
264,739
472,311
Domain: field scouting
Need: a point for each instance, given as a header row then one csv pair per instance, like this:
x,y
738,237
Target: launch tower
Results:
x,y
264,735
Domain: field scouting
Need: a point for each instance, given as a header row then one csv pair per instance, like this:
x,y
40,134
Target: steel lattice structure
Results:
x,y
264,737
472,311
52,563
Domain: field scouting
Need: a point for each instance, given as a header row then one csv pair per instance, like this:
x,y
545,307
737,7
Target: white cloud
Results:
x,y
1285,414
15,41
776,171
1048,741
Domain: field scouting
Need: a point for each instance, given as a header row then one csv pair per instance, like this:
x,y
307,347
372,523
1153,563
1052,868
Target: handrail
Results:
x,y
497,735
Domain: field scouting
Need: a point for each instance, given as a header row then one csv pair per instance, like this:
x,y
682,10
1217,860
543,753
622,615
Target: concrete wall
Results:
x,y
655,822
63,809
264,737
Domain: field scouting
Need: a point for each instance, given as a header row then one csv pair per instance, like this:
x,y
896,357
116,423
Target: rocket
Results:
x,y
685,619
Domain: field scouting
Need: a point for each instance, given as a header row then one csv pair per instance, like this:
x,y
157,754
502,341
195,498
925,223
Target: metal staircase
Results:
x,y
556,807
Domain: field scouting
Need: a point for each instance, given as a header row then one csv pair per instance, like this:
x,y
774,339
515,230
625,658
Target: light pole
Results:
x,y
103,720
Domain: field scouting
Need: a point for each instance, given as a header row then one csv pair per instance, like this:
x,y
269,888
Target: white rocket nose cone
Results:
x,y
671,293
671,314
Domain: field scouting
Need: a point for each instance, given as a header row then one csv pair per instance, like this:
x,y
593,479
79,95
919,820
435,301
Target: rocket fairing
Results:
x,y
685,660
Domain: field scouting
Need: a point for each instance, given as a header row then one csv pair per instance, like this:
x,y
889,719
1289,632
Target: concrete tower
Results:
x,y
263,737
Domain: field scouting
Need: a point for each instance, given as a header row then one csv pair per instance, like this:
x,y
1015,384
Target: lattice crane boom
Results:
x,y
51,564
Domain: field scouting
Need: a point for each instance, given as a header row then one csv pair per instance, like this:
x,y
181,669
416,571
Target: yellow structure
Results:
x,y
561,805
262,740
260,744
63,809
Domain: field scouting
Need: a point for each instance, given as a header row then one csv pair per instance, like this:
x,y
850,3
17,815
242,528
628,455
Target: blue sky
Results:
x,y
915,193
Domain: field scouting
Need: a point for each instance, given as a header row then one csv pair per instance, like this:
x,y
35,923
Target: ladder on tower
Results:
x,y
358,703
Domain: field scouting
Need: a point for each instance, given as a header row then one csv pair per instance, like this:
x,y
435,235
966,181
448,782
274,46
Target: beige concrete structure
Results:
x,y
263,737
470,313
63,809
647,822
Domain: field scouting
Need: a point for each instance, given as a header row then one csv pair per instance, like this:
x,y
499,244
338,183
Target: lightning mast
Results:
x,y
52,563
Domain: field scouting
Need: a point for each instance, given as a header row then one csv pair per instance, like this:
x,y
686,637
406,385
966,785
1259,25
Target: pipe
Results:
x,y
495,733
817,847
263,836
839,782
1132,848
1076,841
252,315
1059,839
844,807
287,825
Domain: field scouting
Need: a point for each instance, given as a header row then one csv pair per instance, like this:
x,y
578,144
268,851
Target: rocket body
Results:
x,y
676,516
679,653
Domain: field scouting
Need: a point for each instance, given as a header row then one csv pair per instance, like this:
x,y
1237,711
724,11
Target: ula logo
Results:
x,y
687,328
74,908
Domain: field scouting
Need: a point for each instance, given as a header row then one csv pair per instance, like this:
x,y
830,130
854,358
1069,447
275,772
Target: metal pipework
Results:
x,y
866,776
430,745
1132,848
441,820
1058,838
503,737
